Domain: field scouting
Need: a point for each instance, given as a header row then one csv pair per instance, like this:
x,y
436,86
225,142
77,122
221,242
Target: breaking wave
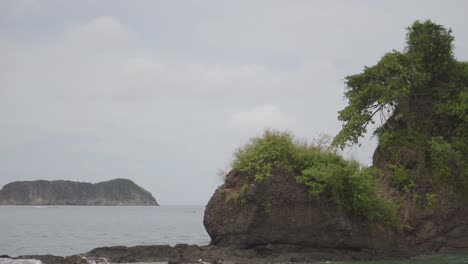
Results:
x,y
35,261
19,261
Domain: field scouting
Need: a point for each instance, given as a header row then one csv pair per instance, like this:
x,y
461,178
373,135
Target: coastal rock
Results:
x,y
41,192
442,226
285,254
420,165
280,211
183,253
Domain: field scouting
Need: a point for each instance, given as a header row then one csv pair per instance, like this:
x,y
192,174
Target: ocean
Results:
x,y
68,230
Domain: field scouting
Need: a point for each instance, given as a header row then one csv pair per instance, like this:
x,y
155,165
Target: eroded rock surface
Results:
x,y
278,211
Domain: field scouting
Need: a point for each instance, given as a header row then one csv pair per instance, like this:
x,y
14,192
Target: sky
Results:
x,y
164,92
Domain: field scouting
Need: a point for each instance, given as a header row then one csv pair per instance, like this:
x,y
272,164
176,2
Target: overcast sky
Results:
x,y
163,92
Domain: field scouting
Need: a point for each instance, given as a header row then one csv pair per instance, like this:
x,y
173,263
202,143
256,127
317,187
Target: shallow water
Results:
x,y
68,230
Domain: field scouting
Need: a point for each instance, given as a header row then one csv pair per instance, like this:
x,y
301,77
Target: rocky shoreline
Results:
x,y
184,253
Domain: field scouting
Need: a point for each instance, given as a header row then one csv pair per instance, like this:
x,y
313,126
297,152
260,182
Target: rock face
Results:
x,y
279,211
41,192
440,227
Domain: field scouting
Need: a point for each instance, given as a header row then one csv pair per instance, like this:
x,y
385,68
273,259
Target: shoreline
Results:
x,y
184,253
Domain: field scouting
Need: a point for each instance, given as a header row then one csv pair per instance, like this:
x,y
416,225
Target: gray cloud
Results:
x,y
164,92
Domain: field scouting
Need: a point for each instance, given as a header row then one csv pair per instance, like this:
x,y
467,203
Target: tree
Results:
x,y
421,97
405,84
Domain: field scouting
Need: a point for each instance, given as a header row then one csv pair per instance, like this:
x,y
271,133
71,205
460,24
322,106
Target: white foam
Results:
x,y
19,261
96,260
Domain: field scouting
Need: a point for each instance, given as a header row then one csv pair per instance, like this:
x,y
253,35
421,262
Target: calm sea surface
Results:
x,y
68,230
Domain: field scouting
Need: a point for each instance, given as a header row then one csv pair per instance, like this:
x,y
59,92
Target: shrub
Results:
x,y
444,161
430,200
273,150
241,198
350,186
402,178
404,137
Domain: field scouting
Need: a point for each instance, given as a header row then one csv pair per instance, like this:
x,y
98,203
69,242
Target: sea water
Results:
x,y
68,230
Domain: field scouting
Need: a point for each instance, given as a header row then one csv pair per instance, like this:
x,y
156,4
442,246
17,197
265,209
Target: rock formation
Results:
x,y
183,253
420,165
41,192
278,211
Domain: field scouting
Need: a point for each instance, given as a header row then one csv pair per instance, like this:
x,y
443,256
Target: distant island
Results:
x,y
117,192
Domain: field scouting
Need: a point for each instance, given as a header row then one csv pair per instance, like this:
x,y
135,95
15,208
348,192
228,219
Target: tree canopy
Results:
x,y
423,83
421,97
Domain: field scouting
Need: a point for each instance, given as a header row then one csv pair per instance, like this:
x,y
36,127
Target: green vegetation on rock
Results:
x,y
348,184
421,97
262,154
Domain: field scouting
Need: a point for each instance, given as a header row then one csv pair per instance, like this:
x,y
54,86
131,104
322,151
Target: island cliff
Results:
x,y
41,192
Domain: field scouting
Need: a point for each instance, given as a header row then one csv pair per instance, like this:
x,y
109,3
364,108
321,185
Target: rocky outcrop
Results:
x,y
442,226
41,192
278,211
183,253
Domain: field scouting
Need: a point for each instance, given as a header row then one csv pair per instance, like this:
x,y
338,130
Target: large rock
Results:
x,y
278,211
114,192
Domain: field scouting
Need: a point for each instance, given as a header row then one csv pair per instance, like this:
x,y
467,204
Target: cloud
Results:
x,y
92,103
163,93
262,117
18,9
103,34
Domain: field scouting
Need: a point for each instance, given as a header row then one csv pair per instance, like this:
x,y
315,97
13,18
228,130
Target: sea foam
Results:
x,y
96,260
35,261
19,261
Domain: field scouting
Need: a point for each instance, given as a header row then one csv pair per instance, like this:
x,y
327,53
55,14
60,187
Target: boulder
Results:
x,y
249,214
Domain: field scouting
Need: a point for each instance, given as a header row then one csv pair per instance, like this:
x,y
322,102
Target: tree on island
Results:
x,y
420,96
